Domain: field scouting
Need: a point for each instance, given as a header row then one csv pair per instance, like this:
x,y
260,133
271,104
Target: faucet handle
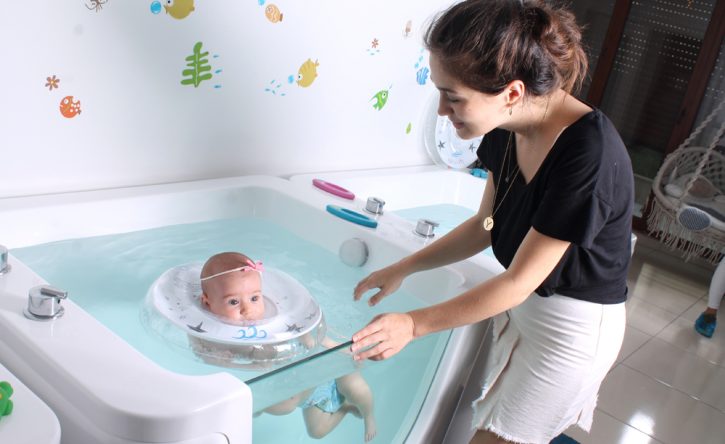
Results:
x,y
4,266
425,227
44,303
374,205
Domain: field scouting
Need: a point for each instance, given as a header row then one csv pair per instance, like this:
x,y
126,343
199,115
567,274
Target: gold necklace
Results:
x,y
488,222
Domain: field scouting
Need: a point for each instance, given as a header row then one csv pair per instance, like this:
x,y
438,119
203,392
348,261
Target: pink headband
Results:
x,y
251,266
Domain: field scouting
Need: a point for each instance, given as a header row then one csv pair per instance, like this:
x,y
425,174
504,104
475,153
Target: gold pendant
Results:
x,y
488,223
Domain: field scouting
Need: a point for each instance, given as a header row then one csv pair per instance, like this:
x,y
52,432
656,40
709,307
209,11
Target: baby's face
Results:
x,y
236,296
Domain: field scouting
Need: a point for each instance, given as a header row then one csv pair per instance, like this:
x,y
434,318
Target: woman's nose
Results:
x,y
443,108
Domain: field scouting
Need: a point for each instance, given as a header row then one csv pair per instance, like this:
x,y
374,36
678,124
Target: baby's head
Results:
x,y
231,285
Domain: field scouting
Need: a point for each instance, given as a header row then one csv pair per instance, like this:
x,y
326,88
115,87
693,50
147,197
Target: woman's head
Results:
x,y
486,44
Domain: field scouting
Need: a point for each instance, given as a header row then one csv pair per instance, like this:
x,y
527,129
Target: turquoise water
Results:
x,y
449,216
108,276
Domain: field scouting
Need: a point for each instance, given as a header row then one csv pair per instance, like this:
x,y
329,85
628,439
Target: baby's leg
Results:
x,y
320,423
289,405
358,394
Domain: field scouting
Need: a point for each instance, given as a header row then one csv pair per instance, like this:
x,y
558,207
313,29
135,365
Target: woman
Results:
x,y
557,209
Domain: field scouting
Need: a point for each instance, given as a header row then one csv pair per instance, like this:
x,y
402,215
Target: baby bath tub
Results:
x,y
104,390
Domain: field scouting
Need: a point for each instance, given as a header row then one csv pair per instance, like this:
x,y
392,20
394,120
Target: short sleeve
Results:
x,y
574,206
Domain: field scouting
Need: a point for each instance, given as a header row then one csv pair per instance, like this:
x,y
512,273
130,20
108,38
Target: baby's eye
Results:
x,y
255,298
233,302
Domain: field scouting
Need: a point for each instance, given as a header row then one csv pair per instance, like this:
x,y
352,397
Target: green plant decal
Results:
x,y
199,68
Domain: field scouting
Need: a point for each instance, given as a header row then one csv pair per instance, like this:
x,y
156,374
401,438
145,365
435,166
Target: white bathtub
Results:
x,y
85,372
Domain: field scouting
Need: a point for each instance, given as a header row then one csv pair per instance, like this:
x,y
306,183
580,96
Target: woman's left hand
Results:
x,y
386,335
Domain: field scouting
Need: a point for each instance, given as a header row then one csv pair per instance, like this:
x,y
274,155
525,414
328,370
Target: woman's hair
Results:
x,y
488,43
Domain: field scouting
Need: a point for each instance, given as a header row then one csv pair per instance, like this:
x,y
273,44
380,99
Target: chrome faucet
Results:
x,y
4,266
425,227
374,205
44,303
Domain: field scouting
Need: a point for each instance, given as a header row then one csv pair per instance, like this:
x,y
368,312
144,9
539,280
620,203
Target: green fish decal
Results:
x,y
381,98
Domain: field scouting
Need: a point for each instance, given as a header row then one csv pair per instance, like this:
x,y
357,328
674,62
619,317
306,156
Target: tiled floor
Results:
x,y
668,384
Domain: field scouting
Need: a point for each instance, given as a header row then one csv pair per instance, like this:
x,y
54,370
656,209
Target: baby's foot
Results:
x,y
371,428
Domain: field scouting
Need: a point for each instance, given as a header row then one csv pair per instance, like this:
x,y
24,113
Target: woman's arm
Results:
x,y
462,242
535,259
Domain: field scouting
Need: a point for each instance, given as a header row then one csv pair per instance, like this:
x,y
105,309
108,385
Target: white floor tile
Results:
x,y
633,339
681,370
647,317
658,410
666,290
682,334
608,430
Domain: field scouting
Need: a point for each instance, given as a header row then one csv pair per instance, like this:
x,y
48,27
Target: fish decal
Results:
x,y
273,13
69,108
381,98
307,73
179,9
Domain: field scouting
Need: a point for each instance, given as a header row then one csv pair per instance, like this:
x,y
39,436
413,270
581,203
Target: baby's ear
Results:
x,y
204,299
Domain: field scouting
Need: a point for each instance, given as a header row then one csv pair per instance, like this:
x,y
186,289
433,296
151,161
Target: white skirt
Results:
x,y
544,368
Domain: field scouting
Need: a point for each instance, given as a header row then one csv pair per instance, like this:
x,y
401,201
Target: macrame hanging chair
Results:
x,y
687,212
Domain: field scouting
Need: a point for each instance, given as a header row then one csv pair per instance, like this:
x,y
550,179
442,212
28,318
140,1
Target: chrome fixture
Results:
x,y
374,205
354,252
4,266
44,303
425,227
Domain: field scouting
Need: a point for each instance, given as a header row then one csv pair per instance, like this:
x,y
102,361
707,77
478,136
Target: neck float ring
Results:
x,y
293,324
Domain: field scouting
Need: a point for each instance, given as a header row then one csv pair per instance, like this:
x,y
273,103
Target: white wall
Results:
x,y
139,125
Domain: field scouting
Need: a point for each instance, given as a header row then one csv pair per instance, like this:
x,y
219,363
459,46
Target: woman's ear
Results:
x,y
514,92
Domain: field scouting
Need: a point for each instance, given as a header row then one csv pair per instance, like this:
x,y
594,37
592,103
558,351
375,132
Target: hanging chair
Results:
x,y
687,212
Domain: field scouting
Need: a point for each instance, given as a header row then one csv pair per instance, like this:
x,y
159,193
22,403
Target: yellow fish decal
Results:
x,y
307,73
179,9
273,13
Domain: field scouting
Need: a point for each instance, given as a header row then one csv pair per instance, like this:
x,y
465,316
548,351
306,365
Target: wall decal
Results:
x,y
70,108
407,29
199,68
155,7
374,47
52,82
381,98
422,71
273,13
96,5
179,9
307,73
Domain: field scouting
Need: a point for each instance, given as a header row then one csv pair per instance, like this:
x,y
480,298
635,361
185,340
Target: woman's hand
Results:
x,y
385,336
387,280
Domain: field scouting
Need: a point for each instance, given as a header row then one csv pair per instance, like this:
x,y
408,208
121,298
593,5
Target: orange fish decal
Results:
x,y
69,108
273,13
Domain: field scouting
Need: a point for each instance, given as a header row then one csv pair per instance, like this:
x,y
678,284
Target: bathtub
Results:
x,y
104,390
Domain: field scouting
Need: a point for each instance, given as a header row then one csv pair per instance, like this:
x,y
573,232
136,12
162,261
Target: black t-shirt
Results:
x,y
582,193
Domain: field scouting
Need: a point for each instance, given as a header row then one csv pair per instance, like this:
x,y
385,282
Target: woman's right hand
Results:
x,y
388,280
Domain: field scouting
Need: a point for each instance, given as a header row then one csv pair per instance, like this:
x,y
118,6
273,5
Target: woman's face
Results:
x,y
472,112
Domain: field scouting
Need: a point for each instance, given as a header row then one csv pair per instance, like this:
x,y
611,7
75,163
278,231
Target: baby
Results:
x,y
231,286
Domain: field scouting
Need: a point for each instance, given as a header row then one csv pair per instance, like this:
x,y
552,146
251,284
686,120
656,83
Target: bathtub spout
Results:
x,y
44,303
